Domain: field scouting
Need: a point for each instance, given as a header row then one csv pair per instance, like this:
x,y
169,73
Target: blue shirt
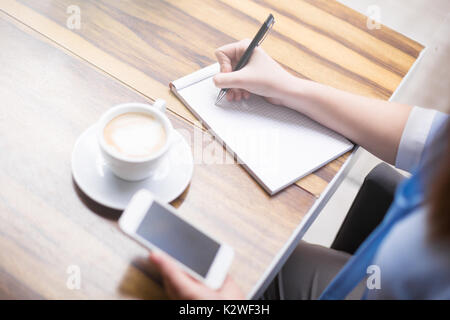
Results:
x,y
410,265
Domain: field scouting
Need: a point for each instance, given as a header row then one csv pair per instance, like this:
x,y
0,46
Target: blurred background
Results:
x,y
428,85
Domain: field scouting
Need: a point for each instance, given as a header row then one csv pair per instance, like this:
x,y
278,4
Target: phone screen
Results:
x,y
182,241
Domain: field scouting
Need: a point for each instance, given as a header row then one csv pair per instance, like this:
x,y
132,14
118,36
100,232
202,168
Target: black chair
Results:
x,y
369,207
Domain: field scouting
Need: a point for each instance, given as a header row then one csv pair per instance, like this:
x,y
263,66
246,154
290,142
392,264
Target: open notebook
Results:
x,y
275,144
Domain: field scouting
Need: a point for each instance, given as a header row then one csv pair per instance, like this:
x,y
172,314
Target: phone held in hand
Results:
x,y
157,226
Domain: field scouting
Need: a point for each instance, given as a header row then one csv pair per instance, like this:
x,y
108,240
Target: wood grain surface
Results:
x,y
147,44
46,222
321,40
55,82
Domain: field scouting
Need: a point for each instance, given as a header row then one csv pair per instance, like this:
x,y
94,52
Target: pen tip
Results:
x,y
219,97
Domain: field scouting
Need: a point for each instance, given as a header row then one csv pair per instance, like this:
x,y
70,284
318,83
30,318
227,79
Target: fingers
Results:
x,y
224,61
179,285
228,80
230,95
241,94
237,95
230,290
231,53
244,94
228,56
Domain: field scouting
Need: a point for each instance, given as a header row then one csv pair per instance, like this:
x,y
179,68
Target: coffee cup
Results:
x,y
133,138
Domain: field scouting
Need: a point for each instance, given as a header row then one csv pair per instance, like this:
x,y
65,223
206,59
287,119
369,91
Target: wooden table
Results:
x,y
55,82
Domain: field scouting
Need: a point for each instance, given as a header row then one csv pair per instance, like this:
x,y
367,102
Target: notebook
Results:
x,y
277,145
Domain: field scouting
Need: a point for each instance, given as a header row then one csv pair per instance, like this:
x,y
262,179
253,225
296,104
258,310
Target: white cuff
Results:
x,y
414,137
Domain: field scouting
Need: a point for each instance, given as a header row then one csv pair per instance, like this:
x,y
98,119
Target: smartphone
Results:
x,y
157,226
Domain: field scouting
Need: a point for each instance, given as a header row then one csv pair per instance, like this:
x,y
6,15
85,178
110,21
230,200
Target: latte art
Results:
x,y
135,134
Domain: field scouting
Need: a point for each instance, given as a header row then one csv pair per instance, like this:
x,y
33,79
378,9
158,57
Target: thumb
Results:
x,y
228,80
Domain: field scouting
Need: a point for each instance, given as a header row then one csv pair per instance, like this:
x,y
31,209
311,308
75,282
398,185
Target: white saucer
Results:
x,y
95,179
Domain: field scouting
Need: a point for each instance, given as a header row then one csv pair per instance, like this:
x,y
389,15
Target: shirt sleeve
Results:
x,y
420,127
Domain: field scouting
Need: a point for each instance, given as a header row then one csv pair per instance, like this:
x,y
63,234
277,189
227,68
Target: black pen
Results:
x,y
257,40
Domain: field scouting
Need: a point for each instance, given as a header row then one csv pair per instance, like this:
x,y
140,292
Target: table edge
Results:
x,y
300,230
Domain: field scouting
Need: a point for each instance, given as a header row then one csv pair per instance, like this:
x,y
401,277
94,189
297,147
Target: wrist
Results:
x,y
296,93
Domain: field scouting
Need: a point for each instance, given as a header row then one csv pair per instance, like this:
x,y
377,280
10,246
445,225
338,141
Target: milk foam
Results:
x,y
135,134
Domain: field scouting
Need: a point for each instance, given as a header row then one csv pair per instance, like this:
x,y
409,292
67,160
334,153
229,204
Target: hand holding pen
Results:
x,y
257,40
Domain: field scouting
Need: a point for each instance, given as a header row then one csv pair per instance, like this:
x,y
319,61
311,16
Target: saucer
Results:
x,y
94,178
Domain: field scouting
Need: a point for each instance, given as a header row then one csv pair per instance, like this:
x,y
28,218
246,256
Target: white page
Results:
x,y
278,145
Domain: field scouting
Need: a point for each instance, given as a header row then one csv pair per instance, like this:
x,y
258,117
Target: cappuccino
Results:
x,y
135,134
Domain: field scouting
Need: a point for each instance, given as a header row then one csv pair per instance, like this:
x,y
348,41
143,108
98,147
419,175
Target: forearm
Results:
x,y
376,125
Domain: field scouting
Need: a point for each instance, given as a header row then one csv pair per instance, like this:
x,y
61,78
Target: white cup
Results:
x,y
127,168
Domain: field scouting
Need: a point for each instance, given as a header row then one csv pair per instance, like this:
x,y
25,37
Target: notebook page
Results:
x,y
278,145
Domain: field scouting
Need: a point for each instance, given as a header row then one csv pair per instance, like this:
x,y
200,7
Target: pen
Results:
x,y
257,40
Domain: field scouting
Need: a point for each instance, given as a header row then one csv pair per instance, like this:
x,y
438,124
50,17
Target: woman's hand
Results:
x,y
262,75
180,285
